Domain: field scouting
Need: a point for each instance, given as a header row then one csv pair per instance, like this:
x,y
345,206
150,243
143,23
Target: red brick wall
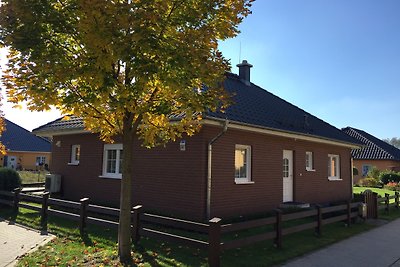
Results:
x,y
380,164
165,179
172,181
230,199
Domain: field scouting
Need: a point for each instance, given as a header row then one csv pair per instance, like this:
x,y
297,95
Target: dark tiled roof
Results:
x,y
256,106
252,106
374,148
73,123
16,138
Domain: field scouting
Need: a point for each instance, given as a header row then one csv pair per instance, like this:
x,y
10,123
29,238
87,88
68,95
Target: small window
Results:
x,y
366,169
75,154
309,161
333,167
242,164
40,161
112,161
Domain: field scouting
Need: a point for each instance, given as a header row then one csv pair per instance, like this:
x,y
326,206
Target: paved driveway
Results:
x,y
16,240
379,247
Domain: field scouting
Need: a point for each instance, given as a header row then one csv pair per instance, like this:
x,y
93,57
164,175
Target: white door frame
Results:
x,y
287,175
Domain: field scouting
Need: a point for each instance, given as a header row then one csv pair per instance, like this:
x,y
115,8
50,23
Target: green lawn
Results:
x,y
99,247
381,192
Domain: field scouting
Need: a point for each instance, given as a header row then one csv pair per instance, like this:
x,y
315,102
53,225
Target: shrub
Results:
x,y
389,176
369,182
392,186
355,171
9,179
374,172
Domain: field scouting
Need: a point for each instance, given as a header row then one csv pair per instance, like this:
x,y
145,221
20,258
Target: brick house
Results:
x,y
24,150
261,152
373,153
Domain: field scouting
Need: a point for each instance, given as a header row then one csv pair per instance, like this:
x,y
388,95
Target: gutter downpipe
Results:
x,y
209,173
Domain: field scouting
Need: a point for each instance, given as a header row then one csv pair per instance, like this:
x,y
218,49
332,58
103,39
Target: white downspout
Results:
x,y
209,163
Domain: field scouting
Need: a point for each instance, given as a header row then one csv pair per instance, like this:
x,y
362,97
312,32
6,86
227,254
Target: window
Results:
x,y
309,161
333,167
112,161
366,169
285,168
242,164
75,154
40,161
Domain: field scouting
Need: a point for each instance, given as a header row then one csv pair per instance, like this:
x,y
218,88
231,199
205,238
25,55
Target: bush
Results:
x,y
392,186
369,182
374,172
9,179
389,176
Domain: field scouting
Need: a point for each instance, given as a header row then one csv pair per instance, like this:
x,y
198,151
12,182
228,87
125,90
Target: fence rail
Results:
x,y
213,236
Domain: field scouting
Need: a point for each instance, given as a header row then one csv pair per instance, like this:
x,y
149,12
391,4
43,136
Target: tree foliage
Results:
x,y
2,129
394,141
127,67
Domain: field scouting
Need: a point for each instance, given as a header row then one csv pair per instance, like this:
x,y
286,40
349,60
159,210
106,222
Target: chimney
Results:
x,y
244,71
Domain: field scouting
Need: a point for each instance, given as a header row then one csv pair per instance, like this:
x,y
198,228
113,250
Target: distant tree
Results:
x,y
394,141
124,66
2,129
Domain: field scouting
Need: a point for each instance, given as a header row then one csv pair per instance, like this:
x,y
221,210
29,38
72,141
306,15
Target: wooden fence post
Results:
x,y
43,212
136,223
375,199
318,229
348,213
396,199
16,192
387,202
214,242
83,215
278,228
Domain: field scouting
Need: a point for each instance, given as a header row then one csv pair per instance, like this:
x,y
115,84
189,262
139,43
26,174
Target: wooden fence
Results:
x,y
212,236
375,204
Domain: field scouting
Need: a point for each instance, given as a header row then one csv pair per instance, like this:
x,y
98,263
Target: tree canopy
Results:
x,y
125,66
102,60
394,141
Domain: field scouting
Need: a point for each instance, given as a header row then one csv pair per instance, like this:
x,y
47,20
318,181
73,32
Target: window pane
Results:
x,y
77,153
111,161
285,168
334,166
121,154
241,163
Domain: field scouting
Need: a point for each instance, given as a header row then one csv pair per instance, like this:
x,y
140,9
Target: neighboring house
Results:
x,y
24,150
374,152
261,152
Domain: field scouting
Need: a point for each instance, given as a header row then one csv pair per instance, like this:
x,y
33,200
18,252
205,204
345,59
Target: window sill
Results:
x,y
244,182
73,163
110,177
310,170
334,179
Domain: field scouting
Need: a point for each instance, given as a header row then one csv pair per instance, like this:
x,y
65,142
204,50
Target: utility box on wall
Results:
x,y
53,183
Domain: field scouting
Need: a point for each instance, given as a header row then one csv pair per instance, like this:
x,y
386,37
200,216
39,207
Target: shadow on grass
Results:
x,y
151,252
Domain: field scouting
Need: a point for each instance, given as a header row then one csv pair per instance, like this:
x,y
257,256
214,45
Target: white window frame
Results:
x,y
42,159
74,161
118,148
310,161
247,179
330,159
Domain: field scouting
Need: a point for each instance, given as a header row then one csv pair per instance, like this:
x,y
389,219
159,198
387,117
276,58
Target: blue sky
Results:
x,y
338,60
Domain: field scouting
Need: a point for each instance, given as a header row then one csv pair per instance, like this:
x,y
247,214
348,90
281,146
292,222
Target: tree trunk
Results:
x,y
124,228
